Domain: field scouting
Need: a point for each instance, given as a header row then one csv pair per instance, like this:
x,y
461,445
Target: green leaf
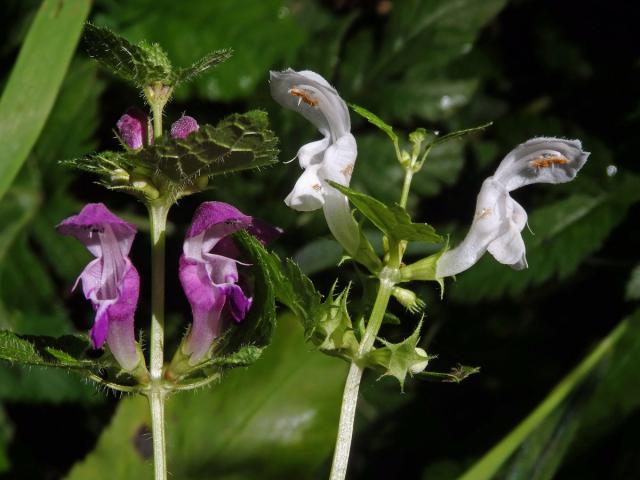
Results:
x,y
69,351
393,220
205,63
377,121
239,142
399,359
142,64
275,420
459,134
35,80
566,233
333,332
613,344
257,327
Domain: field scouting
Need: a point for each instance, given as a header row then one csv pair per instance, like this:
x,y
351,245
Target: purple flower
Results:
x,y
184,126
135,129
110,281
209,272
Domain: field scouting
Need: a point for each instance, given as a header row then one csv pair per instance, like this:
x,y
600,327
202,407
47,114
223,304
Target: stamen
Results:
x,y
317,187
546,161
303,97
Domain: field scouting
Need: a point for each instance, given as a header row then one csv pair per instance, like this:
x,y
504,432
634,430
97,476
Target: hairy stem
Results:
x,y
156,404
352,384
158,216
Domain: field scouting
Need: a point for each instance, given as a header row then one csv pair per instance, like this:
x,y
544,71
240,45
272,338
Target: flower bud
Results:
x,y
420,365
134,128
184,126
408,299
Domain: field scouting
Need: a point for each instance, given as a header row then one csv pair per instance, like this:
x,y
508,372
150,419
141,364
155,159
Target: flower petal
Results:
x,y
196,284
213,214
541,160
309,94
339,160
90,222
308,193
490,217
239,303
313,152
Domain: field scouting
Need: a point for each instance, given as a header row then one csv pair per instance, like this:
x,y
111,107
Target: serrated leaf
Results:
x,y
566,233
68,351
142,64
377,121
398,359
239,142
459,134
198,67
393,221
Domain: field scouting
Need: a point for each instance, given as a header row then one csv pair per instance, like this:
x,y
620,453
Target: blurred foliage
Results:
x,y
532,67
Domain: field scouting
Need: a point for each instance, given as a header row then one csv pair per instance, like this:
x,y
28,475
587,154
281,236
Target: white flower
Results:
x,y
499,219
332,158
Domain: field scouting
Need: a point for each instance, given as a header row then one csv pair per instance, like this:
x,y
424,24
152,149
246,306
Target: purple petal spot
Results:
x,y
184,126
133,128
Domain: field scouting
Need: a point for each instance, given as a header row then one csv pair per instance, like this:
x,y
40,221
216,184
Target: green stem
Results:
x,y
157,108
156,404
406,186
158,216
354,377
352,384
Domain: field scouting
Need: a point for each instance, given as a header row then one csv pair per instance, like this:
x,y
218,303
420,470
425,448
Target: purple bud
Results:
x,y
134,127
184,126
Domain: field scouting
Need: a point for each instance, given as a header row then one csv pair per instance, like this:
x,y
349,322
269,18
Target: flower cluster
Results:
x,y
208,266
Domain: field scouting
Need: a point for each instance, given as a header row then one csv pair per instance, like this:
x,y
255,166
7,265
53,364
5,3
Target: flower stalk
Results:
x,y
158,211
388,276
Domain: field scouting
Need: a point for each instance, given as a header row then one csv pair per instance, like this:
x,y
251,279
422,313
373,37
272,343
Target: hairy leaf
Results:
x,y
142,64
